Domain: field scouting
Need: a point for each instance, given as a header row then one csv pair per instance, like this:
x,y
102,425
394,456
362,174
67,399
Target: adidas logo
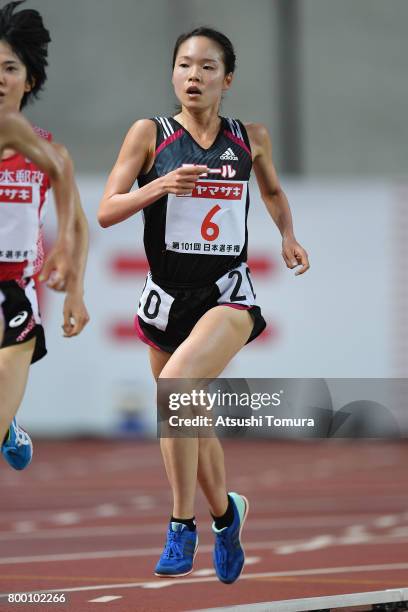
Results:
x,y
229,154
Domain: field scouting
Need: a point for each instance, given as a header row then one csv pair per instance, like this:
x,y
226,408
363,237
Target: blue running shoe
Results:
x,y
18,448
229,556
178,555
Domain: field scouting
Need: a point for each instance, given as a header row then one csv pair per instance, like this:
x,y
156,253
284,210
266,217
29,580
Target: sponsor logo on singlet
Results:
x,y
19,319
16,194
229,154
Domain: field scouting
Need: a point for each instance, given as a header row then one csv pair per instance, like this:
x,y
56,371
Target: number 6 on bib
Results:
x,y
210,221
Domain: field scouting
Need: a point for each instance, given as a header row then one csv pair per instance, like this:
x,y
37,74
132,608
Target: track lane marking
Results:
x,y
184,581
272,546
105,599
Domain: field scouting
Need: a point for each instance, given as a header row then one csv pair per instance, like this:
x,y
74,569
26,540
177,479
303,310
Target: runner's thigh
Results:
x,y
215,339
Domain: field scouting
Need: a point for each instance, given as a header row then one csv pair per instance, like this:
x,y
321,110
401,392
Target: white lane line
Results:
x,y
23,527
388,520
128,509
79,532
101,554
105,599
320,507
144,502
273,547
66,518
356,534
30,528
162,584
317,543
252,560
400,532
308,572
207,571
107,510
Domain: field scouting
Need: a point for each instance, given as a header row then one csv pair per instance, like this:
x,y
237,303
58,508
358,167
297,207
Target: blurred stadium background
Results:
x,y
329,80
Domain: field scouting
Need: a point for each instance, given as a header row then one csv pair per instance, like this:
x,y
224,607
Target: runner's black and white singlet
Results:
x,y
194,240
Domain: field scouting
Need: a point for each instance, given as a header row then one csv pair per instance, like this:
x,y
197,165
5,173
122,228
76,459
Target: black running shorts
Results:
x,y
167,314
22,319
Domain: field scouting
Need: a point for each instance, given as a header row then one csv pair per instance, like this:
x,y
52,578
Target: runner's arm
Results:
x,y
75,312
81,232
17,133
118,202
274,197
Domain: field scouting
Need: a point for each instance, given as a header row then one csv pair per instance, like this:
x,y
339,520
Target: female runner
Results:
x,y
197,308
17,134
23,61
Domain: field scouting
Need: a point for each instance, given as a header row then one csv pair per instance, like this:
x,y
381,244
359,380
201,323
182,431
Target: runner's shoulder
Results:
x,y
61,149
259,139
143,128
9,120
13,126
257,132
142,134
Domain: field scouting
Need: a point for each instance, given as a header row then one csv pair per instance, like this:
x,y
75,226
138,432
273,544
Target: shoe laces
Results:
x,y
21,436
174,547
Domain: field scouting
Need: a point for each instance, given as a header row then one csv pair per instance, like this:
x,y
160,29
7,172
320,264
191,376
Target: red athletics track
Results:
x,y
325,518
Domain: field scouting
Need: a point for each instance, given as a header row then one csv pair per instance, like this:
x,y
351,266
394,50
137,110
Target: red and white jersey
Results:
x,y
23,196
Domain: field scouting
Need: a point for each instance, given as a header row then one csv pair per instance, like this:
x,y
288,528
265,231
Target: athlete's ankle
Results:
x,y
226,519
189,522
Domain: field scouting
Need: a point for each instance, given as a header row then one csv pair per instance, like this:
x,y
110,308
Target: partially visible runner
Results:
x,y
1,317
198,306
18,135
24,186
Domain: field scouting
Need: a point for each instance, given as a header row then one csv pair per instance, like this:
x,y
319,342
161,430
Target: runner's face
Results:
x,y
13,79
199,77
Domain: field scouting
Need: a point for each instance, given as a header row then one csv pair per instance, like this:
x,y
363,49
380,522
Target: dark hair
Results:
x,y
24,31
217,37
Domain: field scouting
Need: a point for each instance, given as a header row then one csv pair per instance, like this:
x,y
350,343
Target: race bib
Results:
x,y
155,304
19,224
209,221
236,287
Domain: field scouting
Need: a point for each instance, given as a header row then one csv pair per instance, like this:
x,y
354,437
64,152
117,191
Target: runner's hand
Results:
x,y
75,314
295,255
57,267
182,180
